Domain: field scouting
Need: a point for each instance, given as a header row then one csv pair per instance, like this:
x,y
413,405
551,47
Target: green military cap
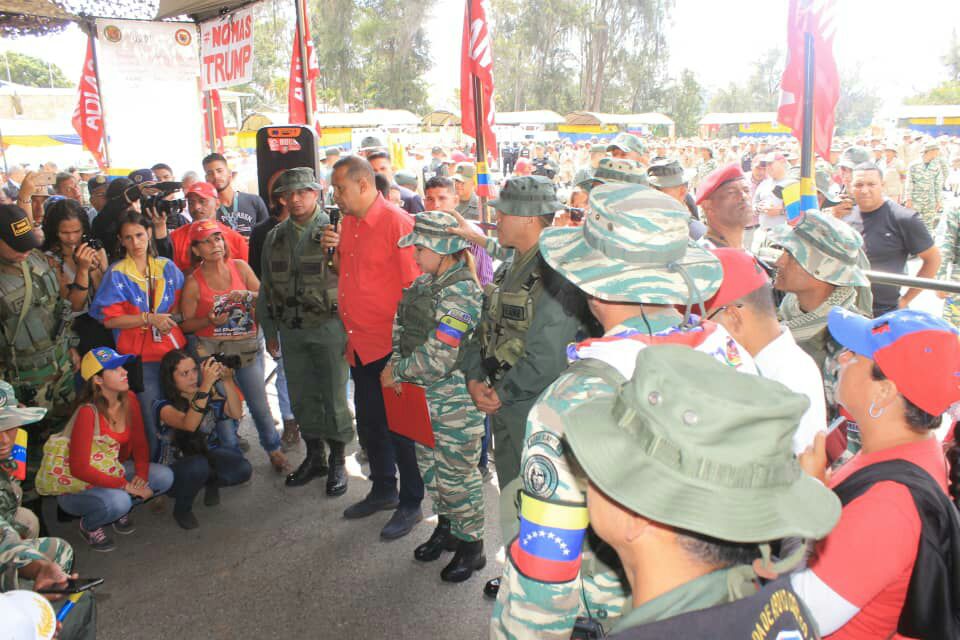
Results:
x,y
466,170
615,170
296,179
666,173
692,443
627,142
432,230
634,246
405,179
371,143
527,196
853,156
12,416
598,148
826,248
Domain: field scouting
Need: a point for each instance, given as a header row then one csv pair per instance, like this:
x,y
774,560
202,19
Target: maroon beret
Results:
x,y
717,179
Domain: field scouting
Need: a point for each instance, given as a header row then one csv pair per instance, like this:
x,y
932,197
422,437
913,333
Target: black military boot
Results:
x,y
440,540
314,465
468,558
337,480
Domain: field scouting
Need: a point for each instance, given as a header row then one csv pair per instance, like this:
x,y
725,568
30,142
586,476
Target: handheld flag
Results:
x,y
88,115
20,455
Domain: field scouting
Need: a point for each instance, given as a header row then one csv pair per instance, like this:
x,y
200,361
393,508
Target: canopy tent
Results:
x,y
519,118
441,118
738,118
932,119
198,10
593,118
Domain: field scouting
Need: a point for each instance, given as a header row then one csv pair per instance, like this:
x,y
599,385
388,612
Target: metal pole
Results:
x,y
901,280
301,7
211,122
806,145
3,151
92,34
480,123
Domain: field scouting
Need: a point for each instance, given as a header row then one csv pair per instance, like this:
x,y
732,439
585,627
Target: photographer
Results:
x,y
121,195
196,427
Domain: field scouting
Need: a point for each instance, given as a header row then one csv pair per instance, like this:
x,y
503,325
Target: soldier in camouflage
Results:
x,y
629,146
950,265
436,314
924,189
634,260
821,267
615,170
706,166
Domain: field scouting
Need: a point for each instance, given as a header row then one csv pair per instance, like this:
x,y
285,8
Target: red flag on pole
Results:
x,y
295,106
477,62
815,17
88,116
219,130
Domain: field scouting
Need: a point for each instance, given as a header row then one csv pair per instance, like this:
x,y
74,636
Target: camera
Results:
x,y
230,362
155,199
576,214
91,242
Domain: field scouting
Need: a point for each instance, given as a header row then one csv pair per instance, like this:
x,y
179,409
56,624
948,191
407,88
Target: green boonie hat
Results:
x,y
692,443
628,142
431,230
466,170
405,179
598,148
296,179
615,170
12,416
371,143
854,156
527,196
827,249
634,246
666,173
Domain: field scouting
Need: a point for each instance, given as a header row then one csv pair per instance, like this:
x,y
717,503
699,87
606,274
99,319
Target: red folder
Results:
x,y
408,413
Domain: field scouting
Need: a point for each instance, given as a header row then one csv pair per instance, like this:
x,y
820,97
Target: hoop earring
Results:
x,y
873,412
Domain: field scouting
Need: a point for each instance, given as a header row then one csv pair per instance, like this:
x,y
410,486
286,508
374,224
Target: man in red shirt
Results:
x,y
373,271
202,201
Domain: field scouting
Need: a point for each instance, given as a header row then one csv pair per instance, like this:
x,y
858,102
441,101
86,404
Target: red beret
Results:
x,y
742,275
717,179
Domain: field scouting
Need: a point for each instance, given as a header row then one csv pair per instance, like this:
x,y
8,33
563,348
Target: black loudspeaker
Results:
x,y
280,148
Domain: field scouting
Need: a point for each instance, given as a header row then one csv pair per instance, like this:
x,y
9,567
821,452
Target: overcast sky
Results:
x,y
897,49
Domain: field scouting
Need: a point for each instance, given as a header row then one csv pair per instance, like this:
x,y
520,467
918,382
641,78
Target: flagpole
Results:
x,y
211,122
92,34
806,144
480,121
301,6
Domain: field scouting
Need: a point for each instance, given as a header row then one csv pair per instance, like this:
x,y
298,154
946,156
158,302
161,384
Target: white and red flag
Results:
x,y
295,103
88,115
477,62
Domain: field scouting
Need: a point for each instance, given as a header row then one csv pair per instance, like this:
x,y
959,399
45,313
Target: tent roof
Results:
x,y
197,9
368,118
440,118
739,118
527,117
928,111
595,118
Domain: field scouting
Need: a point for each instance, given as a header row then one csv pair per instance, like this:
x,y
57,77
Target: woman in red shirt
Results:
x,y
898,374
218,306
112,493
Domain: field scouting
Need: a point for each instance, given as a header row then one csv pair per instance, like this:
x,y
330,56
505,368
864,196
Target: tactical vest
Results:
x,y
507,316
415,313
41,342
303,287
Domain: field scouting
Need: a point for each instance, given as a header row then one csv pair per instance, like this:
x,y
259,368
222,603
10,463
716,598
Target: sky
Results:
x,y
897,50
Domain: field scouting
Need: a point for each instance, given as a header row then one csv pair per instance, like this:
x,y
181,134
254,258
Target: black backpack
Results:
x,y
932,606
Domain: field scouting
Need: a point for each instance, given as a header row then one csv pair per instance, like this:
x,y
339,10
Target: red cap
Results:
x,y
742,275
203,229
522,163
717,179
458,156
202,189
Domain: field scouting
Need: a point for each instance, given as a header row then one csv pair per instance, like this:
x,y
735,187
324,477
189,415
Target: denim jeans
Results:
x,y
222,466
250,379
151,393
100,506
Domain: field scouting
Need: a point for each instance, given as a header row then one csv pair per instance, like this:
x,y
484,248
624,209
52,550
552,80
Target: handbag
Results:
x,y
54,478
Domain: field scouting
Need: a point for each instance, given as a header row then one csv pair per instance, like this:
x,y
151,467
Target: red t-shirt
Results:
x,y
868,557
180,239
373,273
132,441
241,323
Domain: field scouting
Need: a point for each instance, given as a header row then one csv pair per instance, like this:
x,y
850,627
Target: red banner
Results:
x,y
295,105
219,130
88,116
477,62
815,17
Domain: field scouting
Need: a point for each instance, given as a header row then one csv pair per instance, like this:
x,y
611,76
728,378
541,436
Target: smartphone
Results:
x,y
75,586
44,179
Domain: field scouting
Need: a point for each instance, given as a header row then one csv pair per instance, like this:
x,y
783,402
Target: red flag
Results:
x,y
219,130
477,62
295,105
815,17
88,116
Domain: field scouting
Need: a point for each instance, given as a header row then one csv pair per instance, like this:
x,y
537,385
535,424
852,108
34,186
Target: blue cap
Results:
x,y
142,175
100,358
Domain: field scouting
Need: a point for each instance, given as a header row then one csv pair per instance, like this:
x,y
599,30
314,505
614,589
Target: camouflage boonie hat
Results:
x,y
296,179
854,156
628,142
616,170
633,246
371,143
431,230
598,148
931,145
527,196
12,416
827,249
666,173
695,444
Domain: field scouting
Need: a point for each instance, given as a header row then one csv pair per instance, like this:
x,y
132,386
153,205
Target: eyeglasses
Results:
x,y
735,305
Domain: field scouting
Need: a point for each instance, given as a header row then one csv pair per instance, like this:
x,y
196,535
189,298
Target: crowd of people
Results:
x,y
705,415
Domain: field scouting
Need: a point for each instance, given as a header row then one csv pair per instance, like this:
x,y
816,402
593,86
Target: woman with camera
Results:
x,y
218,306
139,299
193,415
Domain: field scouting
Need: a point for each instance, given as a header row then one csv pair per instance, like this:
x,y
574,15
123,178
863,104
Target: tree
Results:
x,y
761,91
952,59
33,72
857,103
686,103
946,93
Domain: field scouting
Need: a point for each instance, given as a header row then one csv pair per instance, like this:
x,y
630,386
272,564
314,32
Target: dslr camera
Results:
x,y
230,362
91,242
155,200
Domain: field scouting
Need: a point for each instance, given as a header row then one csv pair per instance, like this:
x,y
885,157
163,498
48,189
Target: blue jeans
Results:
x,y
151,393
283,396
250,379
222,467
99,506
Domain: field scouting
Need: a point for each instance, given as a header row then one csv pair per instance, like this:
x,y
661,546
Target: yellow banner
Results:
x,y
587,128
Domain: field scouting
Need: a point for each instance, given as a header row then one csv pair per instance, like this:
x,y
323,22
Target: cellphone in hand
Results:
x,y
74,586
44,179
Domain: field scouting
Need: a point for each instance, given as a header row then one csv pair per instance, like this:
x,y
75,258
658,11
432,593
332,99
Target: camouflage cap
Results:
x,y
694,444
628,142
296,179
633,246
666,173
826,248
466,170
615,170
432,230
598,148
527,196
12,416
931,145
853,156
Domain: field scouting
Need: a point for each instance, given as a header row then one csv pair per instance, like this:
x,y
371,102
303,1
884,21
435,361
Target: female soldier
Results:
x,y
438,312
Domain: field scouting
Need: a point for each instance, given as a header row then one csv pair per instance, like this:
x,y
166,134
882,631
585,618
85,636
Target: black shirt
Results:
x,y
891,234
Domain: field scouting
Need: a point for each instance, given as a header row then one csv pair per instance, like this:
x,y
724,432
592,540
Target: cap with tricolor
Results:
x,y
101,358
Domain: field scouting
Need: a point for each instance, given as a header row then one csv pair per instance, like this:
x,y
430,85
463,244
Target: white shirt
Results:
x,y
782,360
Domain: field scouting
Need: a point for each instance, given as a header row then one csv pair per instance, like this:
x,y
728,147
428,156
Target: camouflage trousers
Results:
x,y
951,309
54,549
931,218
449,470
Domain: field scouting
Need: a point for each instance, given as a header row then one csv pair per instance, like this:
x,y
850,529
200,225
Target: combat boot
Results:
x,y
440,540
314,465
468,558
337,478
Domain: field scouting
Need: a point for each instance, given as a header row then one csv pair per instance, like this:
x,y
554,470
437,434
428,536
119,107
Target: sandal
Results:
x,y
279,461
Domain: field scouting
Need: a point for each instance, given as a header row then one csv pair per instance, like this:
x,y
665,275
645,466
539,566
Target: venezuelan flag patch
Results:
x,y
550,543
19,455
452,327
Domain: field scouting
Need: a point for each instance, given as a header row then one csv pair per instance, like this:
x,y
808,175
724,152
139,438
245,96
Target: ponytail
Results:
x,y
466,256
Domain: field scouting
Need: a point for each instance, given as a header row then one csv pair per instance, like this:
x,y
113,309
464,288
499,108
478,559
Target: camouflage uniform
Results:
x,y
704,169
949,267
640,231
925,182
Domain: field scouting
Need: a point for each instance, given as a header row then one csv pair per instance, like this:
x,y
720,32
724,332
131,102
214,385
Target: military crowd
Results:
x,y
704,418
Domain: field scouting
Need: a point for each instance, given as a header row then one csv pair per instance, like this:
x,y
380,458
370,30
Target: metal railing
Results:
x,y
902,280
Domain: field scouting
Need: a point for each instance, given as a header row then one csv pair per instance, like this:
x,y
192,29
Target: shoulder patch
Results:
x,y
540,476
451,328
547,440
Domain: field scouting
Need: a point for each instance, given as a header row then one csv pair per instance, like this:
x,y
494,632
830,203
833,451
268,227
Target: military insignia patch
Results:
x,y
451,328
540,476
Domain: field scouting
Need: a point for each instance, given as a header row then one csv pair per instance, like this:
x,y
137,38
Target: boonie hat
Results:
x,y
101,358
826,248
527,196
633,246
931,145
695,444
666,173
296,179
16,229
619,170
12,416
627,142
431,230
742,275
204,190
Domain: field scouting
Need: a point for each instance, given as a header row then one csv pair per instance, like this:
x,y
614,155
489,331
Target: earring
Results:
x,y
874,412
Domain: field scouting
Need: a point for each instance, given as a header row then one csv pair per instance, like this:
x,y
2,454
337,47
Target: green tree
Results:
x,y
952,58
685,103
761,92
857,103
33,72
946,93
333,23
